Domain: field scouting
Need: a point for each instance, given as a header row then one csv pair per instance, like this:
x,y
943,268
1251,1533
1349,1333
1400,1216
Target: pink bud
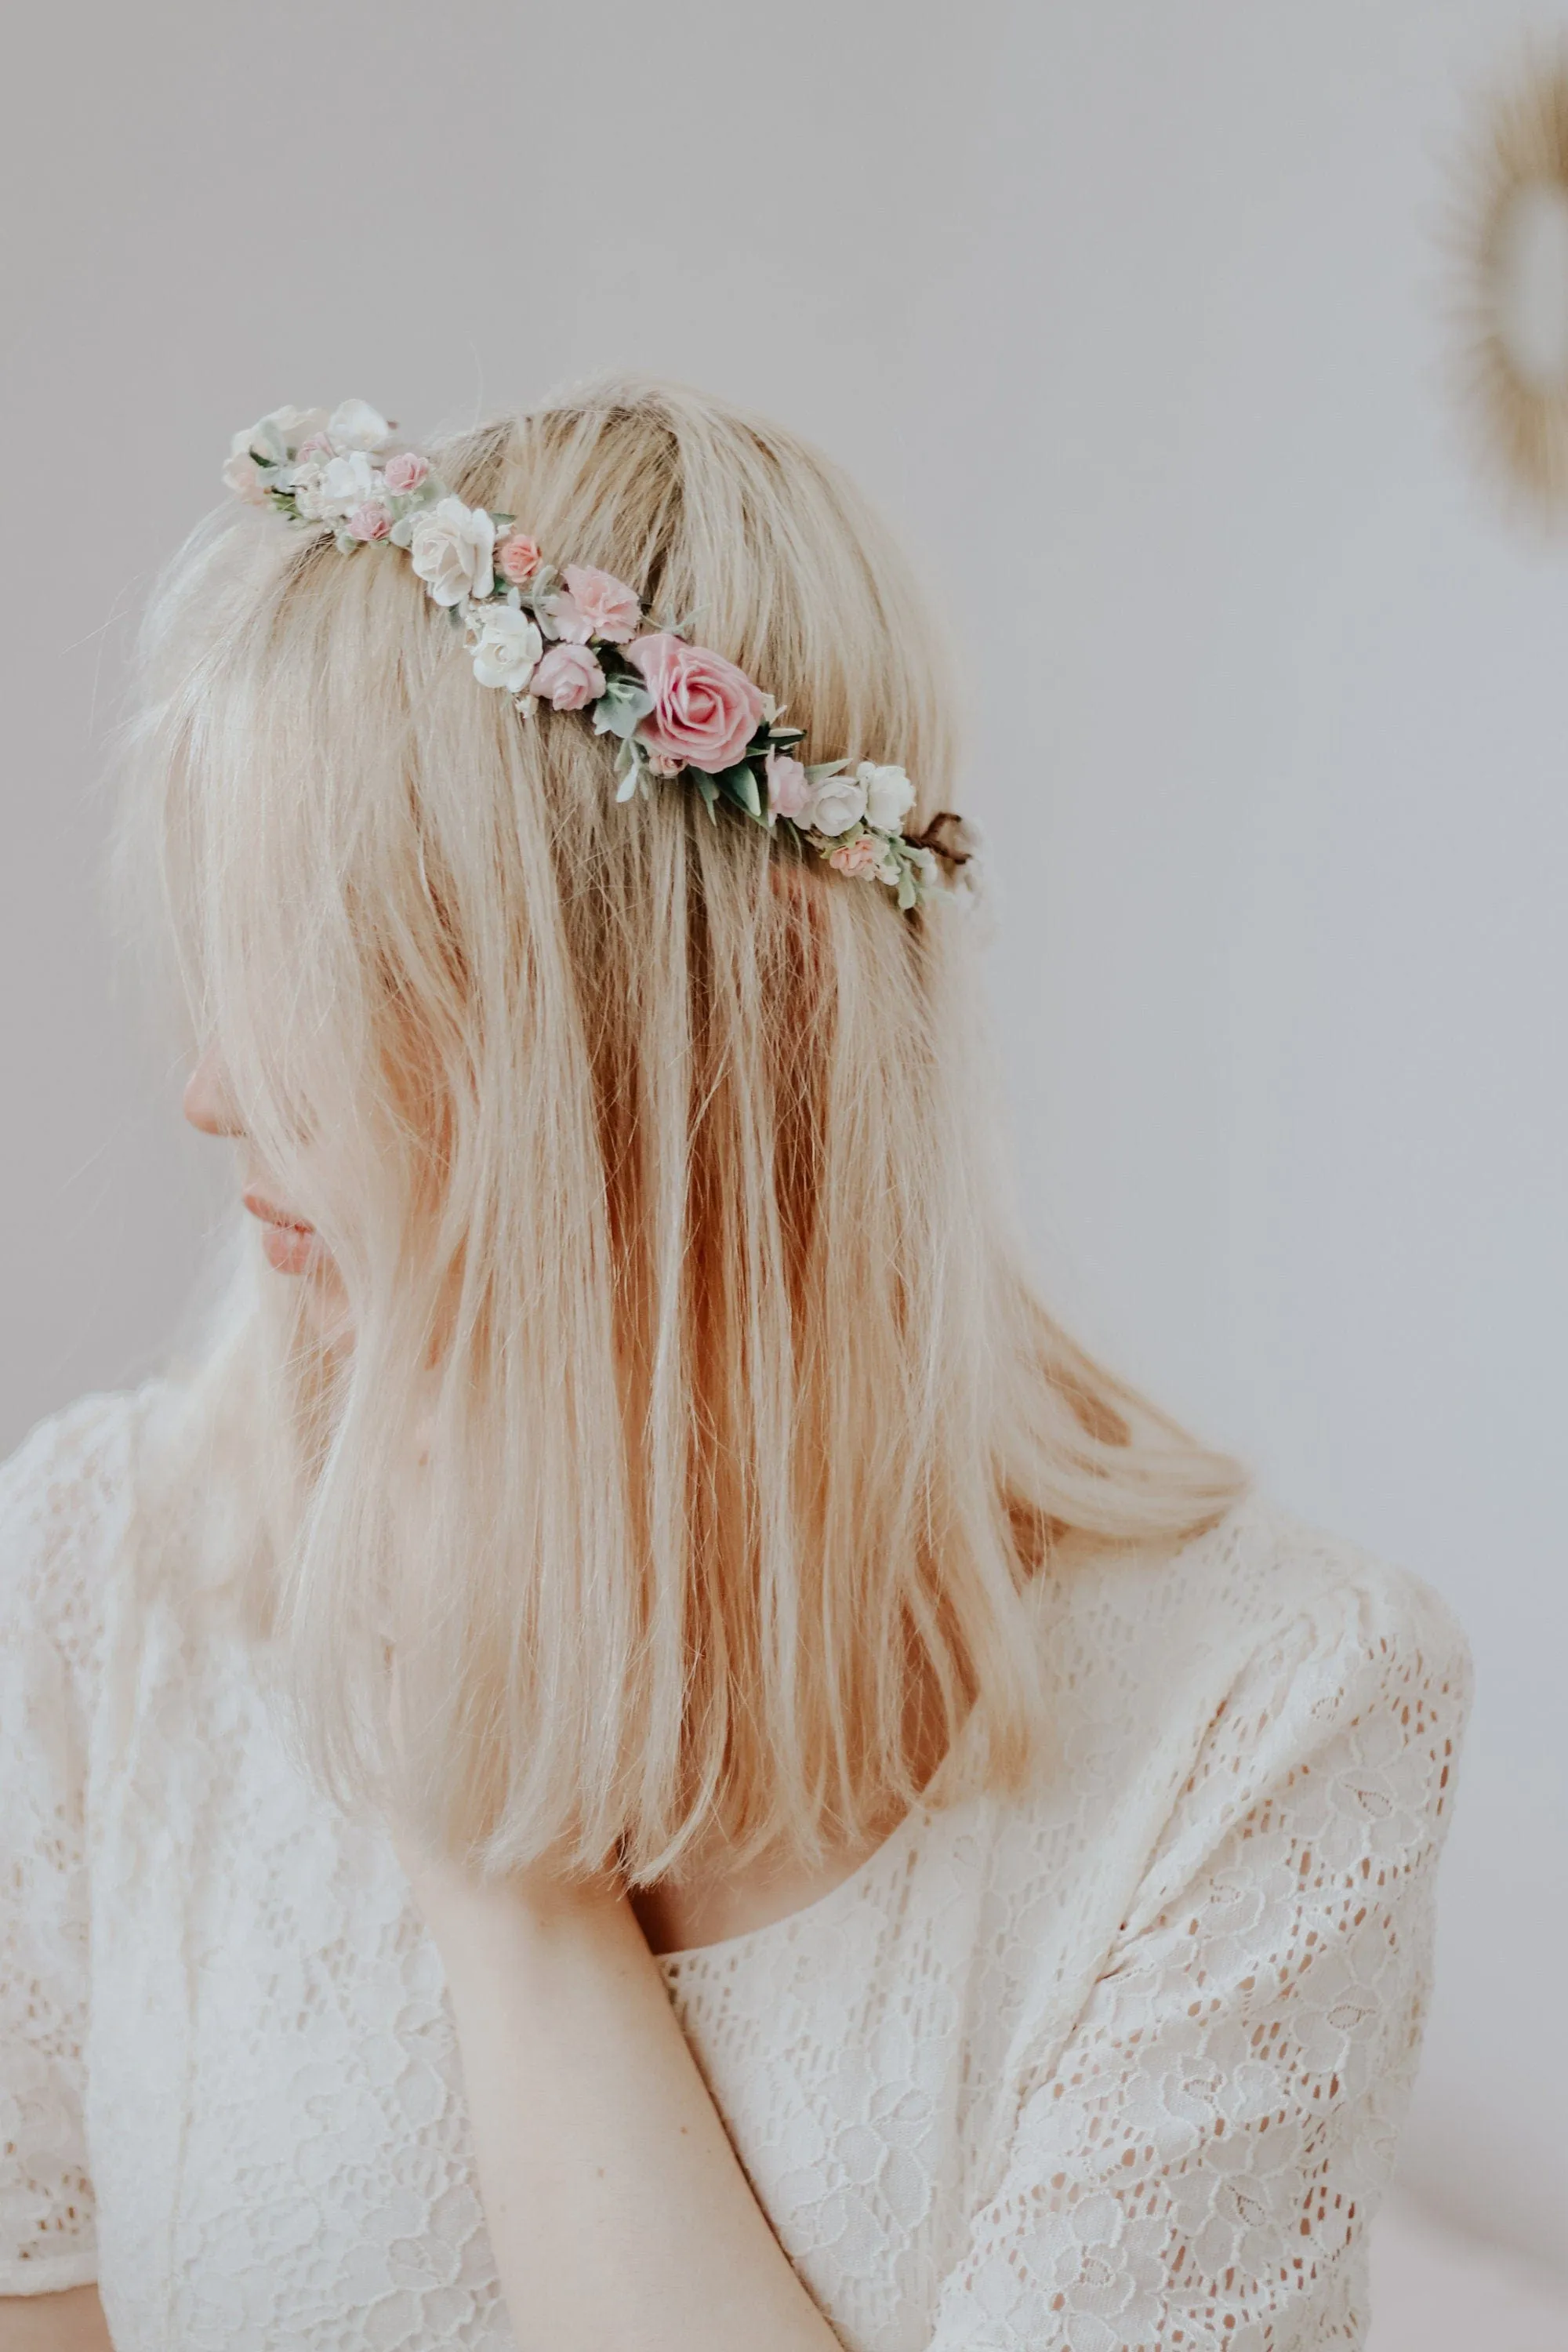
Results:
x,y
516,557
406,473
369,522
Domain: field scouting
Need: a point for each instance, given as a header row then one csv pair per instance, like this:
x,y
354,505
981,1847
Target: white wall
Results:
x,y
1133,317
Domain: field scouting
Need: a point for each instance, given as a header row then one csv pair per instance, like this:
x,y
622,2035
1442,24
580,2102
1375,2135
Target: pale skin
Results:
x,y
617,2211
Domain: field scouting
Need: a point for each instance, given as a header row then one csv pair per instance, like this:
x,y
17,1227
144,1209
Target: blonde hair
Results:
x,y
659,1168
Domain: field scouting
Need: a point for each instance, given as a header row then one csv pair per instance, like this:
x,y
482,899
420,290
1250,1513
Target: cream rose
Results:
x,y
451,547
889,795
836,802
506,647
279,431
307,484
355,425
347,483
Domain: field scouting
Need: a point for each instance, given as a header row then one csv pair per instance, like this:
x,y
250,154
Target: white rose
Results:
x,y
836,802
889,795
355,425
347,483
506,647
307,483
452,545
278,432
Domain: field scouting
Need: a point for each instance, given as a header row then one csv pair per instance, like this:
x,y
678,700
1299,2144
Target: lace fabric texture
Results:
x,y
1116,2065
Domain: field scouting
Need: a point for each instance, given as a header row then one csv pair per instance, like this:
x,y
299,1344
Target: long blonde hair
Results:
x,y
660,1170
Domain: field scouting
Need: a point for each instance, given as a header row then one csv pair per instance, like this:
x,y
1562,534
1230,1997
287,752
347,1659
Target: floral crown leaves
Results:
x,y
578,639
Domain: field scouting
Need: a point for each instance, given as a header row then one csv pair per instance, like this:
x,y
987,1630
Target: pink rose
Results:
x,y
789,786
857,856
369,522
516,557
705,711
596,604
567,679
316,445
242,475
406,473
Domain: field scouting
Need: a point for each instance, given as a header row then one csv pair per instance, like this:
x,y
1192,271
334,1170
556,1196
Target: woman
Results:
x,y
641,1750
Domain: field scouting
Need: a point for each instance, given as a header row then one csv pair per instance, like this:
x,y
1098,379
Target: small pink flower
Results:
x,y
516,557
406,473
596,604
705,711
316,445
660,766
568,678
789,787
242,475
860,856
369,522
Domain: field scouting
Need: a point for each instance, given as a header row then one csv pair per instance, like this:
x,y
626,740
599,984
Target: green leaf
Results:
x,y
625,702
628,768
710,792
825,767
738,785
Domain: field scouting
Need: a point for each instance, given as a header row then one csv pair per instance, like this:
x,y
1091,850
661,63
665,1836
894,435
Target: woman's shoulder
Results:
x,y
66,1498
1260,1578
1231,1682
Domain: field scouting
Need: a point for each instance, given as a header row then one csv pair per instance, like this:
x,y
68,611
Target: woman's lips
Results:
x,y
290,1245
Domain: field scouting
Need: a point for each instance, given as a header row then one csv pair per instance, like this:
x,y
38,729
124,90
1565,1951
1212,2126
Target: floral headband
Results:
x,y
578,640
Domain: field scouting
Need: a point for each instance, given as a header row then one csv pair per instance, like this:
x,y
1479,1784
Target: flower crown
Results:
x,y
578,639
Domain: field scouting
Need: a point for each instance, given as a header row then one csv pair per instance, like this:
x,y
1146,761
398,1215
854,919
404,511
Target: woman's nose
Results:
x,y
207,1102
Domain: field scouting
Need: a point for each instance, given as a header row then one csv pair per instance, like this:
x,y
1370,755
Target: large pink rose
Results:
x,y
596,604
705,711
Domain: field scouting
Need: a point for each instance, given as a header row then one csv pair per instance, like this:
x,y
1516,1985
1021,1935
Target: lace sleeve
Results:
x,y
1196,2166
59,1497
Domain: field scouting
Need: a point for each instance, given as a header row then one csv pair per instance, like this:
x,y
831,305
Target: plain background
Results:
x,y
1138,320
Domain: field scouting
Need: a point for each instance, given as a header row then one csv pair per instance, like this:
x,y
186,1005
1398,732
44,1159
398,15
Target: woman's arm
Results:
x,y
71,2322
617,2211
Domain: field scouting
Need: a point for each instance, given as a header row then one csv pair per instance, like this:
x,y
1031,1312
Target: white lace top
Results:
x,y
1118,2065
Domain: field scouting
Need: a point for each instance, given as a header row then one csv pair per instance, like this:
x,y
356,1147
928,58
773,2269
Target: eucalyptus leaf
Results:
x,y
621,707
814,775
628,770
